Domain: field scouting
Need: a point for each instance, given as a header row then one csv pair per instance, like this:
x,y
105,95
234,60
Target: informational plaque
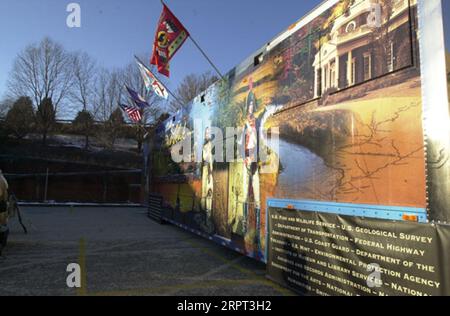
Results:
x,y
327,254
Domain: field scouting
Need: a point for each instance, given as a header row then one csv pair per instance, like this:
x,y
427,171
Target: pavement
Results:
x,y
121,253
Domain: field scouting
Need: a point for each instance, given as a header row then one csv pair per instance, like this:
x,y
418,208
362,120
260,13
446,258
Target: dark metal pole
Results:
x,y
206,56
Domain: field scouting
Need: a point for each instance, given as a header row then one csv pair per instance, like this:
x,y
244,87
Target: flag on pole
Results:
x,y
136,98
170,36
133,112
151,82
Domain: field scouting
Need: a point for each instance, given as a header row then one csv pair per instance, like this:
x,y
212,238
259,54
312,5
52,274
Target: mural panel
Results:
x,y
342,95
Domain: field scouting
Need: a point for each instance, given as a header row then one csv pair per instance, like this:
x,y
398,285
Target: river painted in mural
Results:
x,y
300,168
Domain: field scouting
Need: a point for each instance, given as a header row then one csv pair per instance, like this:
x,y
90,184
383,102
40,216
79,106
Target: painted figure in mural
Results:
x,y
259,158
207,177
252,202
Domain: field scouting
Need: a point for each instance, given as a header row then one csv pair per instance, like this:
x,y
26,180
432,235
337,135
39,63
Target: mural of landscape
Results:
x,y
343,95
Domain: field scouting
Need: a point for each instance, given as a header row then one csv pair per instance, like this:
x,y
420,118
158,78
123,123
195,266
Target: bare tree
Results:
x,y
84,124
110,92
45,118
42,71
108,96
191,86
84,76
132,78
114,127
83,93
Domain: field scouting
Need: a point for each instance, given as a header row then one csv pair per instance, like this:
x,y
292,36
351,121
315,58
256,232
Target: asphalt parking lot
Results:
x,y
121,252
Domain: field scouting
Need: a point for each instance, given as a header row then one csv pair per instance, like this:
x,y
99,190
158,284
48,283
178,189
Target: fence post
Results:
x,y
46,186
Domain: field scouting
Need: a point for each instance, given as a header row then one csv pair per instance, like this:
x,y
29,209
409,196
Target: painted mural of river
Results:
x,y
303,175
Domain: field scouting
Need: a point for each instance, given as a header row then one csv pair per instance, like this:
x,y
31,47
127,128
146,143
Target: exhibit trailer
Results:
x,y
325,154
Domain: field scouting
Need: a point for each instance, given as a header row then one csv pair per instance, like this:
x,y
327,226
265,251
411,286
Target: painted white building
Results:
x,y
348,58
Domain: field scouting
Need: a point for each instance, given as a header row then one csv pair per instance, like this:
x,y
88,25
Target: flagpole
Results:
x,y
206,56
165,87
202,51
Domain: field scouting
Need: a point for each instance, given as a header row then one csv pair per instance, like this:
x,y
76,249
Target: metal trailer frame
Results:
x,y
436,125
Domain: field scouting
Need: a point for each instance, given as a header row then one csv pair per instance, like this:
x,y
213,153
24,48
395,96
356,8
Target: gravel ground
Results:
x,y
121,252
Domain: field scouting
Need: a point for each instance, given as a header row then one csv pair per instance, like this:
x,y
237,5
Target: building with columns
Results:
x,y
364,43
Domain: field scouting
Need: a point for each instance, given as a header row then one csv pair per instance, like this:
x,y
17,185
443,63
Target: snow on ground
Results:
x,y
75,141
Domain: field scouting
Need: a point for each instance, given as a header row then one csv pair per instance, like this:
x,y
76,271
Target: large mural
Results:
x,y
330,111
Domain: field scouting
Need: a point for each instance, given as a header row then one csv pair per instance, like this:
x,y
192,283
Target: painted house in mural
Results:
x,y
364,43
346,103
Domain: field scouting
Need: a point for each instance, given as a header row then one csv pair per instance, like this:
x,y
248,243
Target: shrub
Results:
x,y
20,118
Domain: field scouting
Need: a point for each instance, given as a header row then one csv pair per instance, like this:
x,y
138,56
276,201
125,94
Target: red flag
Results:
x,y
170,36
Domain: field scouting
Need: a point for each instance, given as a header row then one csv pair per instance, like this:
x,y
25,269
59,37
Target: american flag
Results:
x,y
133,112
